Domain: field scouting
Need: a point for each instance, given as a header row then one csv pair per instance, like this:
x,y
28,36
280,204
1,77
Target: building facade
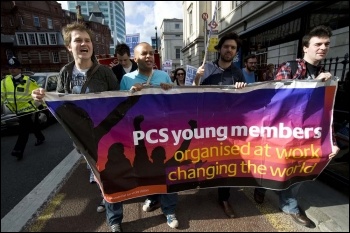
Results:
x,y
272,30
171,43
31,31
114,17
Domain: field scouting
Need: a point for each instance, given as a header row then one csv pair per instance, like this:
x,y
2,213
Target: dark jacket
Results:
x,y
119,71
102,80
214,75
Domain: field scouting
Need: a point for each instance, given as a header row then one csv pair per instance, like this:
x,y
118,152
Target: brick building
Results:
x,y
31,31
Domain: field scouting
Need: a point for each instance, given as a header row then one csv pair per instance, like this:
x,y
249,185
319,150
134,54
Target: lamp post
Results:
x,y
156,39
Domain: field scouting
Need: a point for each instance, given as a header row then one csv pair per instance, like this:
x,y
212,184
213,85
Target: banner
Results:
x,y
167,65
108,61
190,75
270,134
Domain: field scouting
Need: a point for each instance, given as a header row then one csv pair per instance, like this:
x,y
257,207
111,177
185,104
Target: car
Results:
x,y
46,80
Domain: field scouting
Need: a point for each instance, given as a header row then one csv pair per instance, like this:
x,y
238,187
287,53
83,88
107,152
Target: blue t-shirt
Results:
x,y
134,77
249,78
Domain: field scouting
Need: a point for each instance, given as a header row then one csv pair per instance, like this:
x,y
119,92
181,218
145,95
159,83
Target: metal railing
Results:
x,y
335,61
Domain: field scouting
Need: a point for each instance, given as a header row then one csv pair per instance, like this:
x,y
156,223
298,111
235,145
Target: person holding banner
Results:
x,y
315,47
135,81
223,72
84,74
125,64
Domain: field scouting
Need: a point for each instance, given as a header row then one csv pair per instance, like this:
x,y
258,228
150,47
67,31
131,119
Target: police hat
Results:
x,y
14,63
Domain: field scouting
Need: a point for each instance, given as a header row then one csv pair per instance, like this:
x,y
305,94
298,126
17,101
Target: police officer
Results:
x,y
16,92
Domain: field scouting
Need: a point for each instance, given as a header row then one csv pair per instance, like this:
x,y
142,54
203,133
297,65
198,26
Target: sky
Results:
x,y
143,16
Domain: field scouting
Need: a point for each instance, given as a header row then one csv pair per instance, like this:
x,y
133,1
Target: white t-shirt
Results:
x,y
78,80
127,70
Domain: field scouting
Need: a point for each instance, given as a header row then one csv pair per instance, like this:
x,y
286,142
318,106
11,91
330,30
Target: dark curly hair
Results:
x,y
229,36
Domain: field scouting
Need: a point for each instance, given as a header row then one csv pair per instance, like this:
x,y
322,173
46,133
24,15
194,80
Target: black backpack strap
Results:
x,y
83,88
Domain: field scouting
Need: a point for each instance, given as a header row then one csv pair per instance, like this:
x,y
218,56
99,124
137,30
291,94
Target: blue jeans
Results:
x,y
288,203
168,202
114,212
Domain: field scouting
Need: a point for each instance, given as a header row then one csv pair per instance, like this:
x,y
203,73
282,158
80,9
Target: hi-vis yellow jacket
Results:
x,y
18,99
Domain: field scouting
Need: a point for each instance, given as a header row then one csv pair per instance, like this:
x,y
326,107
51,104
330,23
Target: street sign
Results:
x,y
214,40
205,16
213,24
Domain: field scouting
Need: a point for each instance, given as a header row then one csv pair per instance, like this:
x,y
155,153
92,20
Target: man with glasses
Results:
x,y
250,63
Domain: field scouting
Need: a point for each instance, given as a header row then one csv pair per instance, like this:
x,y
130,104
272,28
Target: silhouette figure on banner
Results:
x,y
152,173
184,146
81,127
148,172
118,174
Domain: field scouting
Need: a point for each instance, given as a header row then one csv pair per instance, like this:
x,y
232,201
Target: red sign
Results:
x,y
205,16
213,24
156,65
111,61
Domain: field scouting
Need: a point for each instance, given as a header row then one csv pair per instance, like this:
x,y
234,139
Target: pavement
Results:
x,y
62,195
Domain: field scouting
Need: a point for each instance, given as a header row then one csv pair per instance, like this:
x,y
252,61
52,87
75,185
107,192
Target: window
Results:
x,y
36,21
177,26
42,38
190,21
52,39
51,83
49,24
21,40
55,57
31,39
177,53
9,53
